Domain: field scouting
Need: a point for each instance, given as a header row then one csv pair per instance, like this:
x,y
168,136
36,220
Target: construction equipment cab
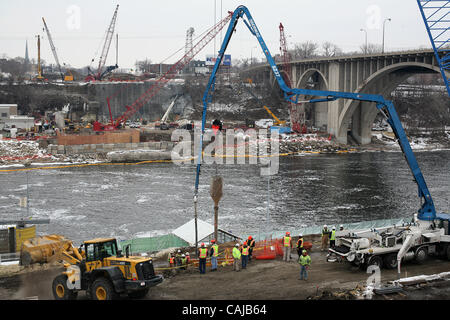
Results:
x,y
100,269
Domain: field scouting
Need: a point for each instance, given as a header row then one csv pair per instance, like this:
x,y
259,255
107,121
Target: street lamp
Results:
x,y
365,48
384,25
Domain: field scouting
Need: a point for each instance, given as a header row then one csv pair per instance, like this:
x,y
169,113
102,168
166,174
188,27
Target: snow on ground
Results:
x,y
10,149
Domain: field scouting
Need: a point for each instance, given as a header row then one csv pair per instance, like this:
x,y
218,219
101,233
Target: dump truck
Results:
x,y
96,267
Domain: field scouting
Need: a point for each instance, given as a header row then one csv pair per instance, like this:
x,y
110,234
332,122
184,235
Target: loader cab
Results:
x,y
99,249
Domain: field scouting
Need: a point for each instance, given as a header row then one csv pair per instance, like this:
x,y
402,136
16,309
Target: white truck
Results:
x,y
389,246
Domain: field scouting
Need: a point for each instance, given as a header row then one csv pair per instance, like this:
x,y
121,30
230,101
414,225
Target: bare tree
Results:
x,y
143,65
371,48
305,50
331,50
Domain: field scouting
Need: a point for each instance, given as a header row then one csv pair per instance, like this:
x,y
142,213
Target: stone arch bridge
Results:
x,y
374,74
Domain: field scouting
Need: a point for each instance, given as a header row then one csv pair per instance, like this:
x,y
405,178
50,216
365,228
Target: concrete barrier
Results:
x,y
70,150
138,155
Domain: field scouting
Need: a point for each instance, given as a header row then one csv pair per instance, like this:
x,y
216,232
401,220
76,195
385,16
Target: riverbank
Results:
x,y
23,153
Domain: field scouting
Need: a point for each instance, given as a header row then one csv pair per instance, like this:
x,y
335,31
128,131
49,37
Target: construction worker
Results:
x,y
251,245
287,245
236,257
300,244
305,261
183,262
214,253
202,254
325,234
332,237
171,260
178,258
188,258
245,252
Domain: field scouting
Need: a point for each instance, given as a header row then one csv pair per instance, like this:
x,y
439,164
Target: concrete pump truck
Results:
x,y
428,232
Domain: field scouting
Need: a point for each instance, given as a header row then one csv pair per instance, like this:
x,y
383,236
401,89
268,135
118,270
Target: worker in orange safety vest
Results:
x,y
245,251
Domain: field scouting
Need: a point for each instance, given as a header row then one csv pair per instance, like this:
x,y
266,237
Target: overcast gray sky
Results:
x,y
156,29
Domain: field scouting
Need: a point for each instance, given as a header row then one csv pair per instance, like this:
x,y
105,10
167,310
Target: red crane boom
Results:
x,y
170,74
287,75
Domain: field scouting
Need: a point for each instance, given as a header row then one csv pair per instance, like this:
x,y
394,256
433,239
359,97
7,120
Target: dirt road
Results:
x,y
263,280
278,280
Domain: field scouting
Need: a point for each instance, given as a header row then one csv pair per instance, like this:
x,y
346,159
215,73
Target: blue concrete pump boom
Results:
x,y
427,210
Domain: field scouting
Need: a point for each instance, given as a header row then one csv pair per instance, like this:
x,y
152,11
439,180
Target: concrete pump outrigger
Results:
x,y
427,233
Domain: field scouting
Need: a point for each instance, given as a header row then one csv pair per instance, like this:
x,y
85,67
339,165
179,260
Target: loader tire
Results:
x,y
102,289
138,294
60,289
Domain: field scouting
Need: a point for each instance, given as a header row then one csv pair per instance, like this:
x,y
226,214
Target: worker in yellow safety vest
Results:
x,y
300,244
236,257
245,251
287,245
305,261
202,254
333,237
183,262
214,253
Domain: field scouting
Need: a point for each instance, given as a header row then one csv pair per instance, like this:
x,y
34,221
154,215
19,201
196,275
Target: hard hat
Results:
x,y
212,241
249,237
325,226
183,255
202,244
237,244
300,235
179,250
334,228
304,251
187,253
288,233
341,226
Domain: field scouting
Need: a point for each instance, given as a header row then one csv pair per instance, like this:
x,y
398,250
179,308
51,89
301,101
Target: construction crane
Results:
x,y
286,66
166,115
101,71
189,43
277,122
39,76
435,14
427,221
52,46
165,78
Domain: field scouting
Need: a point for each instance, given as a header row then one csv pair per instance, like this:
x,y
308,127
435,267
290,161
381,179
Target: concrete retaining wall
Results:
x,y
129,136
108,147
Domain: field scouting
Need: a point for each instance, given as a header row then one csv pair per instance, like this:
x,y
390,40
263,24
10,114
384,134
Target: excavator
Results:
x,y
428,232
96,267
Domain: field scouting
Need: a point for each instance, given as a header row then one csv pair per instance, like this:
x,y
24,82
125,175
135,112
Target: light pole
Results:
x,y
384,25
365,48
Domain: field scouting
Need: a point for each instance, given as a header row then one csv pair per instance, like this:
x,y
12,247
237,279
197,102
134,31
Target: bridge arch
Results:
x,y
316,113
302,80
363,114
